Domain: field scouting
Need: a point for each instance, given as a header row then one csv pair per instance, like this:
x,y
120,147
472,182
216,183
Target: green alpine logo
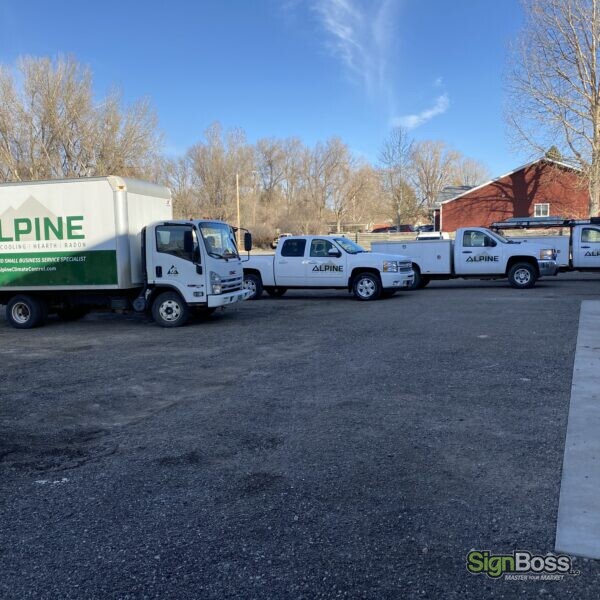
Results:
x,y
42,229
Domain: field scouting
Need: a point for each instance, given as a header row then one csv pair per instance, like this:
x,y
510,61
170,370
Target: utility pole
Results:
x,y
237,195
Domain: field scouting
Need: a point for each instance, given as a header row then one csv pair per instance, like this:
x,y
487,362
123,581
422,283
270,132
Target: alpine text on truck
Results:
x,y
71,245
476,253
325,261
577,251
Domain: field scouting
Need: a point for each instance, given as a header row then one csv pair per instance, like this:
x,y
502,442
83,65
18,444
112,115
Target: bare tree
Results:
x,y
432,167
51,126
554,84
469,171
395,159
214,164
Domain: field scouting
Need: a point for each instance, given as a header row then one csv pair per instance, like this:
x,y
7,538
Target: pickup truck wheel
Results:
x,y
25,312
253,283
366,286
276,292
417,283
169,310
522,276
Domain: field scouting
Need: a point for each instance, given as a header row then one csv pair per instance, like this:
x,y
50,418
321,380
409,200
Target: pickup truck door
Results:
x,y
290,265
477,253
325,269
175,259
586,249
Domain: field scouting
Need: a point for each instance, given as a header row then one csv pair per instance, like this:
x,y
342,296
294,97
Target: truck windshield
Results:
x,y
499,237
349,246
219,240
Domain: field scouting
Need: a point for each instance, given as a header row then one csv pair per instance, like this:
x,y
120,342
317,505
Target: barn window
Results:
x,y
541,210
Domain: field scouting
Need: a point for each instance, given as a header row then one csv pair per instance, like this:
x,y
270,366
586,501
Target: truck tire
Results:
x,y
25,312
253,283
366,286
522,276
276,292
170,310
72,313
420,281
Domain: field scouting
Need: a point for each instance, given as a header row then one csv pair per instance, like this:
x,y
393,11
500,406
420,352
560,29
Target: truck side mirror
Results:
x,y
247,241
334,252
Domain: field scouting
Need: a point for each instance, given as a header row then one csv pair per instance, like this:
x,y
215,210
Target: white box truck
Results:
x,y
69,246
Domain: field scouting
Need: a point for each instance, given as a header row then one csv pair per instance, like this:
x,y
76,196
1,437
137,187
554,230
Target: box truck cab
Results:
x,y
70,246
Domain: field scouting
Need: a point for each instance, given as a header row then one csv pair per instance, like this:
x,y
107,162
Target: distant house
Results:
x,y
449,192
540,188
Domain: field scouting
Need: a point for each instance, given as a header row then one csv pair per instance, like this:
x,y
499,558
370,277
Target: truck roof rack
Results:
x,y
542,222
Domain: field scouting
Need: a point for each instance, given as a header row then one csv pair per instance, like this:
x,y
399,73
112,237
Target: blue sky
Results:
x,y
279,68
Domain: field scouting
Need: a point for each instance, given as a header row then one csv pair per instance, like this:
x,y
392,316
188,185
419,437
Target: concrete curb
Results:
x,y
578,523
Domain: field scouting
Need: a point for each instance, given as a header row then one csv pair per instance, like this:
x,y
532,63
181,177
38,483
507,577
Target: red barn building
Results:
x,y
538,189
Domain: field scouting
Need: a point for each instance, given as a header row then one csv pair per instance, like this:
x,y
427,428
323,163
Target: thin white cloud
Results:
x,y
360,34
411,121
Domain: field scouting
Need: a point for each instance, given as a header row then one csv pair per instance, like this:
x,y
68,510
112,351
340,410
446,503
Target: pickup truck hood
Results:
x,y
532,249
375,259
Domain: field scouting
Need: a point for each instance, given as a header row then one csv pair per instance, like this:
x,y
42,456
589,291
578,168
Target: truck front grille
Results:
x,y
231,284
405,267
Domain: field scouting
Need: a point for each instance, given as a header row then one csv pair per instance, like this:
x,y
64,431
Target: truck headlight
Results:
x,y
390,266
215,282
547,254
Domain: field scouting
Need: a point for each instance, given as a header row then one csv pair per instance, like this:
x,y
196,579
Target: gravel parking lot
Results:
x,y
305,447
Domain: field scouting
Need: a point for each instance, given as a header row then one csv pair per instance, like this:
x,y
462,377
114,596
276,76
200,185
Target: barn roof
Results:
x,y
558,163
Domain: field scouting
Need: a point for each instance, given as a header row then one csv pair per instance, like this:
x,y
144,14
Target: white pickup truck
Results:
x,y
577,251
477,253
310,261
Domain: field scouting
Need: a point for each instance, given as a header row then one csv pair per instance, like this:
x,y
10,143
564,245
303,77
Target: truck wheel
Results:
x,y
253,283
417,283
72,313
169,310
366,286
522,276
25,312
276,292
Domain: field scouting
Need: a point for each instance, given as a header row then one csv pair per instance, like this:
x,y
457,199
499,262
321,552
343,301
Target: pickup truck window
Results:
x,y
320,248
589,234
293,247
477,239
170,239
